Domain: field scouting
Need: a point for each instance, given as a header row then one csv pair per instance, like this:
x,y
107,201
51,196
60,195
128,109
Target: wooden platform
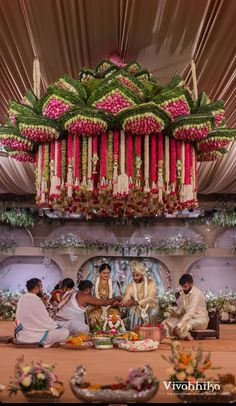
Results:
x,y
103,366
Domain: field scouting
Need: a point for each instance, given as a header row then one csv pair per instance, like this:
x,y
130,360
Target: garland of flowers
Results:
x,y
160,166
192,127
116,160
167,246
17,217
69,182
77,161
84,161
110,157
153,175
138,163
143,309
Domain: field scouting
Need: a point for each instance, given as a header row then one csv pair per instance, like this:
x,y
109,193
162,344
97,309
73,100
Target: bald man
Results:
x,y
141,298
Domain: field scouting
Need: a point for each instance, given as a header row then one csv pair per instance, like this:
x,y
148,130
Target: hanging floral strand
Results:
x,y
90,178
76,161
182,190
123,181
115,165
84,161
167,164
138,162
160,166
95,154
39,172
146,164
110,158
103,170
63,164
130,160
69,183
173,165
154,162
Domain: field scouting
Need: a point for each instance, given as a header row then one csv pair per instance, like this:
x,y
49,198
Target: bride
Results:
x,y
104,289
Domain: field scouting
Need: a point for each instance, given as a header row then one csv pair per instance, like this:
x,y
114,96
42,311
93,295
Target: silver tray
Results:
x,y
113,396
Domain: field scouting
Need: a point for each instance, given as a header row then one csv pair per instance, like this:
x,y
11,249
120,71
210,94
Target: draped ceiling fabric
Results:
x,y
162,35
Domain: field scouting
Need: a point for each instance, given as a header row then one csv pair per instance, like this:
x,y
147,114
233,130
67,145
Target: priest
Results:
x,y
32,321
141,298
191,315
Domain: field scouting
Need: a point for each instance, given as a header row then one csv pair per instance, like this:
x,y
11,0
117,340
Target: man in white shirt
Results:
x,y
191,315
32,321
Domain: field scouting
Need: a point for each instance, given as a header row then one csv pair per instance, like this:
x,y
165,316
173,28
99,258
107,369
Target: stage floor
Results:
x,y
103,366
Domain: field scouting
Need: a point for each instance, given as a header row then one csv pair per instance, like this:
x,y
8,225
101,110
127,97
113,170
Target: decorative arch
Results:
x,y
215,274
21,236
16,270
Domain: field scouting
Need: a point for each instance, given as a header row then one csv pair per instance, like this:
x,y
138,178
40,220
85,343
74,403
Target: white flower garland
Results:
x,y
144,309
104,308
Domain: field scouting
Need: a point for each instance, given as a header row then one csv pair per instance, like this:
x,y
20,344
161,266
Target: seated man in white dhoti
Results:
x,y
32,321
73,307
141,297
192,313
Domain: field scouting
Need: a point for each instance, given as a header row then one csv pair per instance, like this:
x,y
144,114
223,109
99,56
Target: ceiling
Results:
x,y
163,35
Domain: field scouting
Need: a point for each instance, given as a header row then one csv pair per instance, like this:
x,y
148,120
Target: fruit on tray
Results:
x,y
74,340
131,336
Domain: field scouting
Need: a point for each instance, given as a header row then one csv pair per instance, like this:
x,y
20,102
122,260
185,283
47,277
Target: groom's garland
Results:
x,y
144,309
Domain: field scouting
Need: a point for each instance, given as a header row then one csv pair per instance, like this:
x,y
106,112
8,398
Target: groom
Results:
x,y
141,298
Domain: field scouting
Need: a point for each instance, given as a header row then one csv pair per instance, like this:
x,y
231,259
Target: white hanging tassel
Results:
x,y
44,190
70,181
146,163
123,180
56,180
36,77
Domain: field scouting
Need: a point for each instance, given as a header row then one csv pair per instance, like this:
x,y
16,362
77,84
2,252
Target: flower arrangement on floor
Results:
x,y
17,217
8,303
187,365
114,142
188,377
140,385
34,378
166,246
225,304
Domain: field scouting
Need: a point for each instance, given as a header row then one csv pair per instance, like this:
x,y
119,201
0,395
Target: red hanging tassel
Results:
x,y
187,179
172,160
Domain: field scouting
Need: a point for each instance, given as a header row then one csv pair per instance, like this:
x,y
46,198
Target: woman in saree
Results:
x,y
104,289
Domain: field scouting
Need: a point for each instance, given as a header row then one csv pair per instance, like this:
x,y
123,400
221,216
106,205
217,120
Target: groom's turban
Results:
x,y
138,268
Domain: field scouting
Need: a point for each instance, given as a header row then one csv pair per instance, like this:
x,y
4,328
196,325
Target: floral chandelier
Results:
x,y
114,142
